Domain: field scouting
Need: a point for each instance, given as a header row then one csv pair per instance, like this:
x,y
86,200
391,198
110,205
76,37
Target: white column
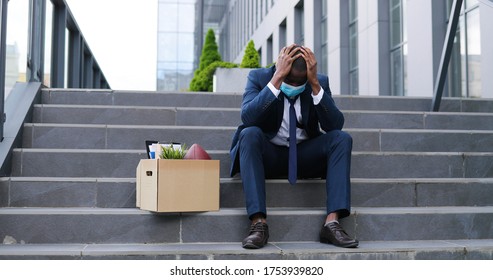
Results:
x,y
338,50
290,27
373,49
309,22
420,48
486,22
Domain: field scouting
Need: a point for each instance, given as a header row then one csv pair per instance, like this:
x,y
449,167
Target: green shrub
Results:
x,y
210,54
203,80
251,57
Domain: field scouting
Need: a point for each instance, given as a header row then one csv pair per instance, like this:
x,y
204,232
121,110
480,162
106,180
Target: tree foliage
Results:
x,y
251,57
210,54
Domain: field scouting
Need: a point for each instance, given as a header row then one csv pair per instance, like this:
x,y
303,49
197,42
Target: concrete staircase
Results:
x,y
422,183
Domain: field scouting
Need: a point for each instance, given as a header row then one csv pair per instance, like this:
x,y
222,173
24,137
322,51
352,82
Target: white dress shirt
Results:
x,y
282,137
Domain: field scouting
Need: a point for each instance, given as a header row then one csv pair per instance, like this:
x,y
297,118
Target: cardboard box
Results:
x,y
165,185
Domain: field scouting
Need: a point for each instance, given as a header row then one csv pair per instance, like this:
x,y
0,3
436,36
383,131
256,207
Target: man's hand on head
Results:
x,y
311,68
284,63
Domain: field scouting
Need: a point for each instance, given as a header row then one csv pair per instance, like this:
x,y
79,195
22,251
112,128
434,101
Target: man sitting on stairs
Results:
x,y
282,112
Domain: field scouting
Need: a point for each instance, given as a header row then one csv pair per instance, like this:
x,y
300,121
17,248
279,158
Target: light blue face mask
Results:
x,y
292,91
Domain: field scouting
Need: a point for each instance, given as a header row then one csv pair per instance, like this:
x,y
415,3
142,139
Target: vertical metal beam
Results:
x,y
74,59
446,53
58,45
88,72
35,52
3,52
97,78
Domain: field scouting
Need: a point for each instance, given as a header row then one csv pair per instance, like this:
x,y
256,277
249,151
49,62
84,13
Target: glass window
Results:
x,y
16,49
395,23
473,54
353,47
324,67
168,17
353,82
48,31
167,46
299,22
396,74
464,73
324,64
398,55
185,47
186,18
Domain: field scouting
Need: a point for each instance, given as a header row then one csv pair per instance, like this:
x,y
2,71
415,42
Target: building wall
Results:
x,y
486,13
277,23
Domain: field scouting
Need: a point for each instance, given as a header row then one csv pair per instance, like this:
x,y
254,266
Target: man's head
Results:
x,y
297,76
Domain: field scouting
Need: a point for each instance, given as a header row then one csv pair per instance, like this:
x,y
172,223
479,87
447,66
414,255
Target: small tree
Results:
x,y
209,55
210,52
251,57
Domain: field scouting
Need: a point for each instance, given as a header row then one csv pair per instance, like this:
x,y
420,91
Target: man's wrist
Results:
x,y
316,88
276,80
273,89
317,97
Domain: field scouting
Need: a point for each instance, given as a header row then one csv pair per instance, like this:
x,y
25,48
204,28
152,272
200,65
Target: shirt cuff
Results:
x,y
274,90
317,98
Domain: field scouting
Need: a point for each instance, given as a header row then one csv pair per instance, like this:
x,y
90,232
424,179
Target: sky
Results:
x,y
122,35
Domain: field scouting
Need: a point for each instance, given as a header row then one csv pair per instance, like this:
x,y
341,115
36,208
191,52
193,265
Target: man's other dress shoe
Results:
x,y
333,233
258,236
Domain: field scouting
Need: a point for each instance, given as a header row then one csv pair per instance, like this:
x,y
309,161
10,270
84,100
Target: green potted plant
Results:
x,y
234,80
170,152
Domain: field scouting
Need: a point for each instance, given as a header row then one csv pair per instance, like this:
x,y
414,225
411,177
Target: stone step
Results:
x,y
120,192
116,226
465,249
141,98
123,163
68,136
233,100
187,116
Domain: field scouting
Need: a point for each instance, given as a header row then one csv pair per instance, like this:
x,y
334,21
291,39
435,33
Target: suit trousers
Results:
x,y
325,156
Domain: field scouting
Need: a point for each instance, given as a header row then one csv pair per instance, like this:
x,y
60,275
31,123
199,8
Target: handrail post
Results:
x,y
446,53
58,45
35,55
3,53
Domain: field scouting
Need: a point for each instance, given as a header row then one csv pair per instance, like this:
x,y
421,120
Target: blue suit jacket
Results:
x,y
262,109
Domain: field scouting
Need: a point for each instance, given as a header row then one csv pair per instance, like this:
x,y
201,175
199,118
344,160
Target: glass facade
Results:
x,y
16,49
299,24
324,62
182,25
176,30
398,47
464,74
353,47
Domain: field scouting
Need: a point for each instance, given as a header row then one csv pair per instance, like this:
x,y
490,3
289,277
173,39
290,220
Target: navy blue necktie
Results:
x,y
292,170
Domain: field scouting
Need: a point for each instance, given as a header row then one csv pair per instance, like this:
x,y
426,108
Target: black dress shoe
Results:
x,y
333,233
258,236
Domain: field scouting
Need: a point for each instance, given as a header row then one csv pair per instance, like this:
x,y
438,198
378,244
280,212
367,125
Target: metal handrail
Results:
x,y
3,52
83,72
446,54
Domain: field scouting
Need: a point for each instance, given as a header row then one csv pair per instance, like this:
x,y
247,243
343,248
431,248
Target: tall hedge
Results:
x,y
210,54
251,57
